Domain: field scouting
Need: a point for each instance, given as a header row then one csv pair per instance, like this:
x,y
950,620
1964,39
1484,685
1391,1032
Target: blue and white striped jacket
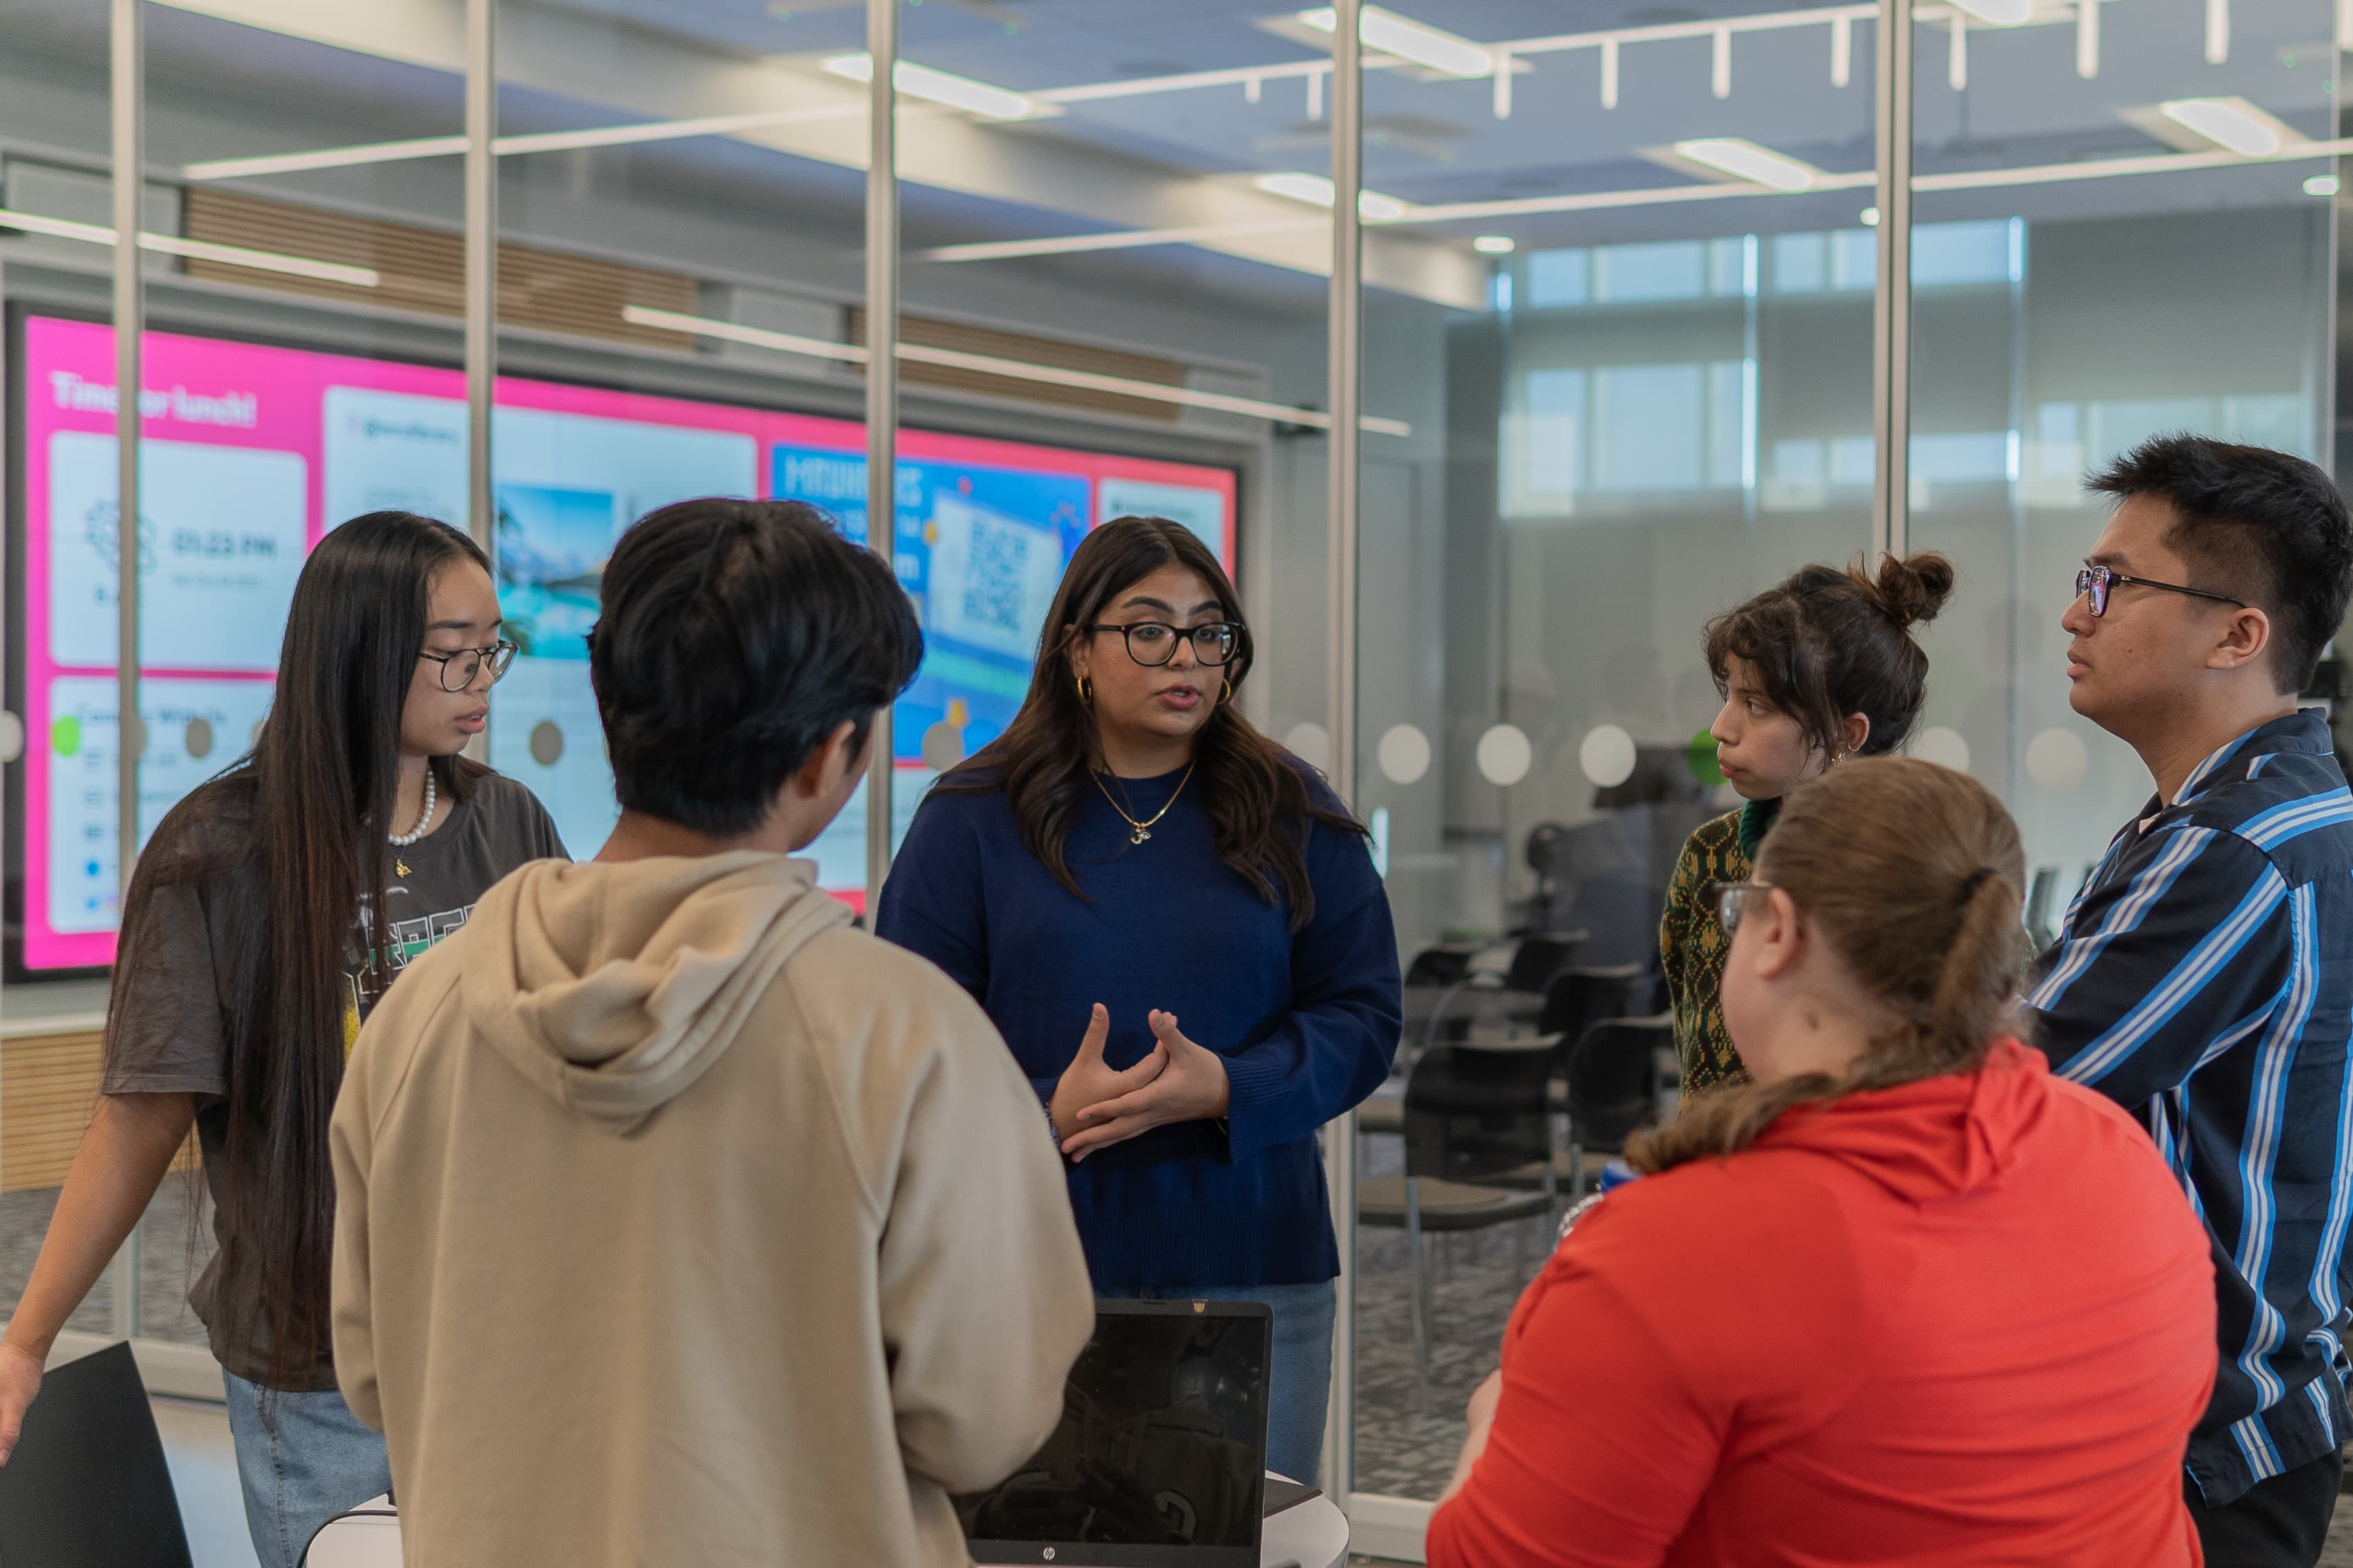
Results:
x,y
2204,979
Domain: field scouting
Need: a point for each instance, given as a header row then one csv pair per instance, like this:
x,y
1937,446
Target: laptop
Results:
x,y
1160,1459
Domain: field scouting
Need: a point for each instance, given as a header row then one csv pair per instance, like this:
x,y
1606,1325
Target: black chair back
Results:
x,y
1579,997
2042,892
1438,966
1614,1079
1472,1113
1539,957
87,1486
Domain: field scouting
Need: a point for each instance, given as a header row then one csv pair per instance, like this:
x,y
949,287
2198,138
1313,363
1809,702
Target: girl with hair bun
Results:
x,y
1905,1296
1822,667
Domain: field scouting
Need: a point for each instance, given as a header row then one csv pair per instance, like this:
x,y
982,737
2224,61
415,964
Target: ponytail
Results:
x,y
1914,873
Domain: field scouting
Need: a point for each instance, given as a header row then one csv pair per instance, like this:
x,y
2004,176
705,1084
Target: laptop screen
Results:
x,y
1161,1454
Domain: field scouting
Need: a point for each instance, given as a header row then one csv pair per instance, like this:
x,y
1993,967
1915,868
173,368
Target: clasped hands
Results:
x,y
1094,1107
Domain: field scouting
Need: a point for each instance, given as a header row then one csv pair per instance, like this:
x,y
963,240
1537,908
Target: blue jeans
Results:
x,y
1301,1372
302,1462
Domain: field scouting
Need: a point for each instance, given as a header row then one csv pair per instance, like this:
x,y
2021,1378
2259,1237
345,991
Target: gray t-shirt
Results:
x,y
165,1018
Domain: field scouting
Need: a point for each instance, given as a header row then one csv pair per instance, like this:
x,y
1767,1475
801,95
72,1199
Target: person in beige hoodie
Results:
x,y
678,1222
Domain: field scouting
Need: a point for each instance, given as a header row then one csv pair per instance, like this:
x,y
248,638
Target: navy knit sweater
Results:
x,y
1307,1022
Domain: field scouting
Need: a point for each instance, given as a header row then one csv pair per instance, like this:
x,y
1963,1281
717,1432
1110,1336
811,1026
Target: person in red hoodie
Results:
x,y
1906,1298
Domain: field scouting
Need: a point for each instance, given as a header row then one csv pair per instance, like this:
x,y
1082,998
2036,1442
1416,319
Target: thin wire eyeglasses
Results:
x,y
465,664
2096,581
1731,900
1154,643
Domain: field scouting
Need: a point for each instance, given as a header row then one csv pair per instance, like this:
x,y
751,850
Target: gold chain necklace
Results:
x,y
1143,830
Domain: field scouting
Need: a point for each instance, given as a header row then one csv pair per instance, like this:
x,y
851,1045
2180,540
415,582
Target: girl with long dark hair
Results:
x,y
271,909
1177,928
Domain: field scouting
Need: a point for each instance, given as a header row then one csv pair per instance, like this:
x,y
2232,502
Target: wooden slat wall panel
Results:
x,y
48,1084
1032,349
425,269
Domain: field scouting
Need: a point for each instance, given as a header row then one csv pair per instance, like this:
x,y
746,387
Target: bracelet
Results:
x,y
1051,1130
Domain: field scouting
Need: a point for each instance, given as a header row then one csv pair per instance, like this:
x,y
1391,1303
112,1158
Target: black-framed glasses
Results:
x,y
1154,643
1731,900
461,667
2096,581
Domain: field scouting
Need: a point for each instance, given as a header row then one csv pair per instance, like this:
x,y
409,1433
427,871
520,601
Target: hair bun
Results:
x,y
1913,588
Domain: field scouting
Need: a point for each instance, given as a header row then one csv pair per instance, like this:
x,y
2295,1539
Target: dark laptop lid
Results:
x,y
1160,1459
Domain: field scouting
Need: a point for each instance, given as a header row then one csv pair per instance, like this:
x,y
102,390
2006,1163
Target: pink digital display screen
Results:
x,y
249,454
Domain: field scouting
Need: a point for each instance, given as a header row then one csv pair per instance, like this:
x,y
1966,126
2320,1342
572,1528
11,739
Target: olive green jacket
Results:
x,y
1692,944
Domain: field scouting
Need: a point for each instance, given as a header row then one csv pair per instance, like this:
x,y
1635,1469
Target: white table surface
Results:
x,y
1313,1534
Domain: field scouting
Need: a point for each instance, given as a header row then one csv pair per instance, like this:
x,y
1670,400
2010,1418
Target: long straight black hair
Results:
x,y
1046,760
286,852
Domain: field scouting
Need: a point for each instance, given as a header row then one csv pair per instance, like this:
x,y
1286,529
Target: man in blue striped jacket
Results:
x,y
2204,976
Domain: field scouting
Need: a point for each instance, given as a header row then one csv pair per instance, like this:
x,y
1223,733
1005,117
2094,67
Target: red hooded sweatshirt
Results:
x,y
1960,1323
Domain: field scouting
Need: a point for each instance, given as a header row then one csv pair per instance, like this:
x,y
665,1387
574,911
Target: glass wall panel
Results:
x,y
659,191
2066,307
1119,211
1653,398
250,448
54,149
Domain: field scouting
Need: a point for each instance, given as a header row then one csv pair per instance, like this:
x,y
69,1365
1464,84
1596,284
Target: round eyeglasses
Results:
x,y
1154,643
461,667
1731,900
2098,581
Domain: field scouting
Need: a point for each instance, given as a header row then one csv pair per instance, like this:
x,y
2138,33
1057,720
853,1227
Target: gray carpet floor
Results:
x,y
172,1253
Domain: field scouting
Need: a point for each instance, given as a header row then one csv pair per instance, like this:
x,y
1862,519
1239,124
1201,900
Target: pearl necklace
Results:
x,y
423,819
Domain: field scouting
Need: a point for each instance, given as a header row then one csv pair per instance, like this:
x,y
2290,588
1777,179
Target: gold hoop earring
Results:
x,y
1086,693
1227,692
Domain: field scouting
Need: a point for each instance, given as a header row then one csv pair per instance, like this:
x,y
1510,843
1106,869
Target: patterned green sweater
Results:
x,y
1692,944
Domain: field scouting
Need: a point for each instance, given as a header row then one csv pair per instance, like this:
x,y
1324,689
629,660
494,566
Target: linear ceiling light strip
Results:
x,y
197,250
1015,370
1120,239
509,146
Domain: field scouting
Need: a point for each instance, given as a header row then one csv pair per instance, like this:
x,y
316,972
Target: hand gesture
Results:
x,y
1191,1086
20,1380
1087,1082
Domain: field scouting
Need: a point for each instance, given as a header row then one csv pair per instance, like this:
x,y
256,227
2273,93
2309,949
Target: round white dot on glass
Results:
x,y
1943,745
1607,755
1404,754
1312,744
943,746
2056,761
1506,756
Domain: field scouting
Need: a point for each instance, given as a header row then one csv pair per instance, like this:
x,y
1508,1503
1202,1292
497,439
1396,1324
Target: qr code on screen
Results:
x,y
996,568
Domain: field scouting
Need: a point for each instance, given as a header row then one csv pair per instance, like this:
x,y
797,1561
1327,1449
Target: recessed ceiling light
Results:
x,y
1315,190
2320,185
1871,218
1411,40
1998,13
939,86
1494,245
2232,123
1745,159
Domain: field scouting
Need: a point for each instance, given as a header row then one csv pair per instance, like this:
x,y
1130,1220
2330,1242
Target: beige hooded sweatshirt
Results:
x,y
680,1224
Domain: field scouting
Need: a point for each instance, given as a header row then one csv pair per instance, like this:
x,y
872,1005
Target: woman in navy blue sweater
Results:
x,y
1177,928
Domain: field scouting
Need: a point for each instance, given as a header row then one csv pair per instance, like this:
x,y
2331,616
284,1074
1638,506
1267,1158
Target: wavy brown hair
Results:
x,y
1913,872
1828,642
1047,759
